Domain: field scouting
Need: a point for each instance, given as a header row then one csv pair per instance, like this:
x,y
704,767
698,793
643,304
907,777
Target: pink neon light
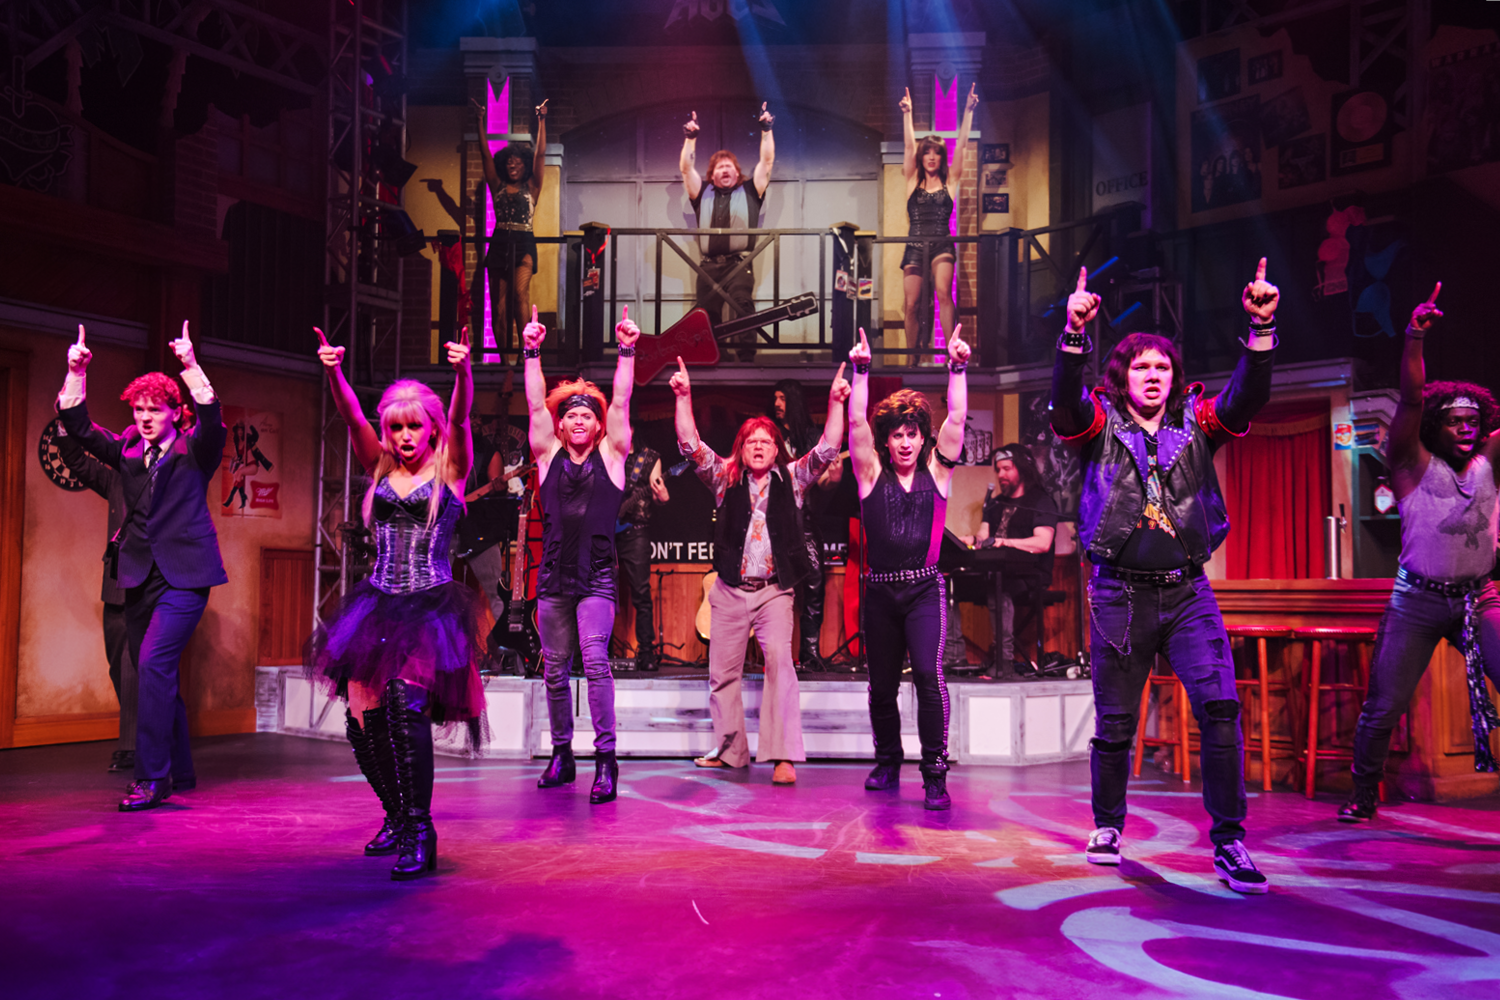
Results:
x,y
945,119
497,123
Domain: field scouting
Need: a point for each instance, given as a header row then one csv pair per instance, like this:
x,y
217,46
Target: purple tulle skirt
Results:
x,y
429,638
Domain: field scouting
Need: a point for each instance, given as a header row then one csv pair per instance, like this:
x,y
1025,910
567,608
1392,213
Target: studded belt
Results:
x,y
1149,577
903,575
1459,589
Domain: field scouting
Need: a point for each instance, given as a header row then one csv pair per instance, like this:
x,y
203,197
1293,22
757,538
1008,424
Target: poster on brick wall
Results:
x,y
249,474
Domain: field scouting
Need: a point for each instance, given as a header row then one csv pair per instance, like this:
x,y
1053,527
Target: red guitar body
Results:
x,y
691,338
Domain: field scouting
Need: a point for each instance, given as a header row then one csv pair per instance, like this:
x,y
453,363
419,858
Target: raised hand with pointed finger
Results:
x,y
680,383
765,118
1422,317
958,348
972,101
691,128
332,357
905,103
1083,305
1260,297
859,354
458,351
183,348
541,109
839,391
79,355
626,332
534,334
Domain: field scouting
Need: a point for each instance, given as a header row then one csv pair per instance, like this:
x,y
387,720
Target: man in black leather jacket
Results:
x,y
1150,516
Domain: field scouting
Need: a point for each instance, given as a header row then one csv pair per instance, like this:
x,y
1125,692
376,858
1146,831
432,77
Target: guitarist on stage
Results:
x,y
760,555
735,204
580,449
645,489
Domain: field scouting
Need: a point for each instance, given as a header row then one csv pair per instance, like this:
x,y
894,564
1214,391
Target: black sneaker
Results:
x,y
1361,805
1104,846
884,777
1236,870
935,787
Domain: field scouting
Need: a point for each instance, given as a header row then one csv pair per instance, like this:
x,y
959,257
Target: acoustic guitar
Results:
x,y
703,620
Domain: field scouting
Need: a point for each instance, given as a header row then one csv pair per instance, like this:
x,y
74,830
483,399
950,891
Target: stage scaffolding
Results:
x,y
367,67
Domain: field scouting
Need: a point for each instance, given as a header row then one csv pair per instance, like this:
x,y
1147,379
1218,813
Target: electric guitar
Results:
x,y
695,338
516,631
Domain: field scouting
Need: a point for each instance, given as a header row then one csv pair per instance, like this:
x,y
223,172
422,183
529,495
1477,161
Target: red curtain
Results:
x,y
1278,488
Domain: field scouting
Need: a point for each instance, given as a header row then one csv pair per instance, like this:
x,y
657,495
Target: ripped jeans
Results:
x,y
1130,624
568,623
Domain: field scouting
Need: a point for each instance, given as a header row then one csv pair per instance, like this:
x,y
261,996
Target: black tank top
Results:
x,y
928,212
579,504
903,530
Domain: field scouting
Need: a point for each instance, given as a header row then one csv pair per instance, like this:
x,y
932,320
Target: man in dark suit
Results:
x,y
166,552
105,481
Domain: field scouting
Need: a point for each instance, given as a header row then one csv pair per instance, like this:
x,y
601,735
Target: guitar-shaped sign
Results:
x,y
696,340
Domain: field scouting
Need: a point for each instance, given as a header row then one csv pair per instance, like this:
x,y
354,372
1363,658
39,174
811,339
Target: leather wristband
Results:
x,y
1415,334
626,352
1079,340
766,125
957,368
861,367
688,133
531,352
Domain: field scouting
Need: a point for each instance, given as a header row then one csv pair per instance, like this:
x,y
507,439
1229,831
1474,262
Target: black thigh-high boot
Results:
x,y
411,748
372,752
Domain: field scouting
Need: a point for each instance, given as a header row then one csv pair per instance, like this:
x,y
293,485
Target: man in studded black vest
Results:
x,y
760,556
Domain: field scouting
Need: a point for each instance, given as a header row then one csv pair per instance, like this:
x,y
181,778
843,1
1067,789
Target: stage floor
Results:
x,y
707,884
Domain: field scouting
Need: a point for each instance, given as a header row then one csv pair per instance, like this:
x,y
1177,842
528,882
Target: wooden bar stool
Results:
x,y
1179,744
1262,686
1363,639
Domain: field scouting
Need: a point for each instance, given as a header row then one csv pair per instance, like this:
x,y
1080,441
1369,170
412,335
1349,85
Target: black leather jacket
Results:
x,y
1112,449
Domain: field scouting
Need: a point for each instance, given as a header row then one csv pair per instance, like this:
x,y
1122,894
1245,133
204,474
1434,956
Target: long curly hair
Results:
x,y
517,151
734,463
160,388
903,408
1437,395
932,143
566,391
403,400
797,421
1117,371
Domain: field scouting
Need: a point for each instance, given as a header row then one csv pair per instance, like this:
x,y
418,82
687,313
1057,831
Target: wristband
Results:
x,y
1080,340
1270,331
861,367
626,352
766,123
1415,334
957,368
1269,324
688,133
531,352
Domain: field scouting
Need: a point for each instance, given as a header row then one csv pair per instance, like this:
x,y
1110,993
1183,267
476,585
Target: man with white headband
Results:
x,y
1443,459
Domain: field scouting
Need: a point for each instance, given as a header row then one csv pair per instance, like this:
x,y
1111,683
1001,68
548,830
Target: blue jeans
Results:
x,y
568,623
1413,622
1131,624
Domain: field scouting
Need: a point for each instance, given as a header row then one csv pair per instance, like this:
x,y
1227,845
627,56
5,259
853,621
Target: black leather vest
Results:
x,y
783,521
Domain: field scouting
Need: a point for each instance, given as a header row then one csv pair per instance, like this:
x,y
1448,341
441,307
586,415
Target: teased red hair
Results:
x,y
733,464
578,387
